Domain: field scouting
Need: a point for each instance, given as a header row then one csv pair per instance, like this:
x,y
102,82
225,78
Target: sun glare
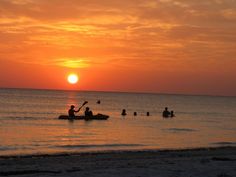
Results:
x,y
72,78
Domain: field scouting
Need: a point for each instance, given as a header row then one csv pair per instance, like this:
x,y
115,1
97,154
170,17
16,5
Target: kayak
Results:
x,y
94,117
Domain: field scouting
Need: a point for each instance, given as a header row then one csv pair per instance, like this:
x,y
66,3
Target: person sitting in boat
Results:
x,y
72,111
166,113
87,112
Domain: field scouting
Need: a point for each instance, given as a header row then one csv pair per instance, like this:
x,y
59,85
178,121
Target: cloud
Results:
x,y
135,31
71,62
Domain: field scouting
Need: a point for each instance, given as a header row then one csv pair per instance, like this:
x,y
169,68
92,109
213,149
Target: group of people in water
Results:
x,y
88,113
123,113
166,113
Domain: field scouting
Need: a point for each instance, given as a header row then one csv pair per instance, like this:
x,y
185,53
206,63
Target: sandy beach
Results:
x,y
206,162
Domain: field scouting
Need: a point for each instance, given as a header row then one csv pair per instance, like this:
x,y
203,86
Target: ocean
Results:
x,y
29,122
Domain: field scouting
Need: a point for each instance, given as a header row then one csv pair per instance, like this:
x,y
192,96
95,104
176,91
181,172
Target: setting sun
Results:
x,y
72,78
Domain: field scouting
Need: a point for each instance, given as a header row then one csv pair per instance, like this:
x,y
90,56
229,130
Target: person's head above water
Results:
x,y
87,108
72,106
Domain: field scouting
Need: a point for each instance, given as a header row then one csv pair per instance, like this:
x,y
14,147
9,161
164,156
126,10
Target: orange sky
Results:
x,y
170,46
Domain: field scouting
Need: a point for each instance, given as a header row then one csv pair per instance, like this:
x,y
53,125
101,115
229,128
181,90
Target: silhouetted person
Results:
x,y
123,112
135,113
148,114
172,114
166,113
72,111
98,102
87,112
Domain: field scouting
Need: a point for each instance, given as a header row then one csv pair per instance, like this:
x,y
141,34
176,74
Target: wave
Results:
x,y
98,145
180,130
13,148
20,118
224,143
38,117
7,148
40,112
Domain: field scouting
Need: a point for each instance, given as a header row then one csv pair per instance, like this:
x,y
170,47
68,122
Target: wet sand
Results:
x,y
205,162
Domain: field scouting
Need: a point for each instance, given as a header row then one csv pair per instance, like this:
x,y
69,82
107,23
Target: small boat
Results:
x,y
94,117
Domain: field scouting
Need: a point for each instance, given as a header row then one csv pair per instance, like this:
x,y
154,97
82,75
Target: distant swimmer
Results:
x,y
172,114
148,114
87,112
72,111
135,113
98,102
123,112
166,113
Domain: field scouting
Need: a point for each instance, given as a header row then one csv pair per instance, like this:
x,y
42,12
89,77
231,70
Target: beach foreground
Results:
x,y
205,162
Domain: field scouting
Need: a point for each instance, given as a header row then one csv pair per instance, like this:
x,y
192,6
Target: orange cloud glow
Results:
x,y
171,46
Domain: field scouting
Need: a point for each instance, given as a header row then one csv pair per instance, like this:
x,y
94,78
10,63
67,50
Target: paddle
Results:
x,y
82,105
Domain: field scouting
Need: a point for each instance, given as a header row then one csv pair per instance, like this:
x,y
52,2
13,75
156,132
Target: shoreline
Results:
x,y
98,152
207,162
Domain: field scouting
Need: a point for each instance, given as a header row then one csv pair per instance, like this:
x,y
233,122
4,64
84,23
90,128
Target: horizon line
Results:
x,y
112,91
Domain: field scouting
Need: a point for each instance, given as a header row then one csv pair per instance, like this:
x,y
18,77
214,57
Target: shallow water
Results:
x,y
29,124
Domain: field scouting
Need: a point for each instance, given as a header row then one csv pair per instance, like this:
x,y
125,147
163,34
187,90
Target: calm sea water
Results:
x,y
29,124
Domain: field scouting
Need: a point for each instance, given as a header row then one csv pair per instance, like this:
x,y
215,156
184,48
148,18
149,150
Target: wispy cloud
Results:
x,y
71,63
107,30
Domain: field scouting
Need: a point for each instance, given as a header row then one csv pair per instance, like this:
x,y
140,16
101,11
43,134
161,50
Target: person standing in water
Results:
x,y
172,114
123,112
166,113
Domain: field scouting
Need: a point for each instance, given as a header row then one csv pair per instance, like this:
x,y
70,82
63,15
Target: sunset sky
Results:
x,y
162,46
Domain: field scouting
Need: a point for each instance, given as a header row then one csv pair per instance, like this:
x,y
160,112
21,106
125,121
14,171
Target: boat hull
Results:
x,y
94,117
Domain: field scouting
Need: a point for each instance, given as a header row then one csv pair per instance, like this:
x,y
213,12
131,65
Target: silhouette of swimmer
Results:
x,y
123,112
87,112
148,114
98,102
172,114
72,111
166,113
135,113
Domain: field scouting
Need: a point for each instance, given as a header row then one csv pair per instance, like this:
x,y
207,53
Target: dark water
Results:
x,y
29,124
